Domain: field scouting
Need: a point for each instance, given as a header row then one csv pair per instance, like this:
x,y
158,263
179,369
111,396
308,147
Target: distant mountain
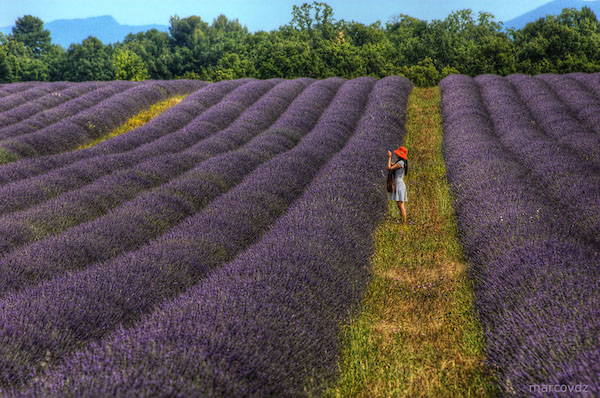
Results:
x,y
105,28
553,8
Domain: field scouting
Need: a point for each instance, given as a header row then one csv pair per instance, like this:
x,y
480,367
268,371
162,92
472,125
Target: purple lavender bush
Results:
x,y
54,115
555,103
96,199
177,136
267,322
12,88
96,121
590,80
532,261
13,100
577,97
569,175
46,102
164,124
208,181
186,254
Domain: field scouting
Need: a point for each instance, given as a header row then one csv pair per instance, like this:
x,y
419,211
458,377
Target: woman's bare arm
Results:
x,y
397,166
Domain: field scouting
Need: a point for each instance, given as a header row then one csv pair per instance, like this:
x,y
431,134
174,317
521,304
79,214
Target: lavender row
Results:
x,y
94,122
557,118
536,286
13,100
179,130
45,103
567,178
185,254
171,120
267,323
63,111
107,193
51,116
590,80
578,97
7,89
48,254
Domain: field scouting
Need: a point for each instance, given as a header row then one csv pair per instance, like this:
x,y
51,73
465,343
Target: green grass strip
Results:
x,y
138,120
416,334
7,156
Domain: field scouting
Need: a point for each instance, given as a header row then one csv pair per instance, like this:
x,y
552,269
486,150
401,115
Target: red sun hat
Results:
x,y
402,152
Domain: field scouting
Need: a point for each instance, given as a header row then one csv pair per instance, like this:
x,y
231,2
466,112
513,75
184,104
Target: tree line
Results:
x,y
313,44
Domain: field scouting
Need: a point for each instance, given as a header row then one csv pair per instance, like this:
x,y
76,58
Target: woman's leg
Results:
x,y
402,211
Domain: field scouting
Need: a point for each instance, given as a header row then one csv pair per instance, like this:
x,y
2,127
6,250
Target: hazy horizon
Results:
x,y
255,14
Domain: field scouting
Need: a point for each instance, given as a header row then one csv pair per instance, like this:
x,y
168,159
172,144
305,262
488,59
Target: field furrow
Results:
x,y
564,176
91,188
558,120
14,100
158,129
536,292
578,97
94,122
590,80
186,253
13,88
225,244
159,176
178,132
282,297
55,115
47,102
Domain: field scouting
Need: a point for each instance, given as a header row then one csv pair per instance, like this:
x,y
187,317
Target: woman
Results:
x,y
400,169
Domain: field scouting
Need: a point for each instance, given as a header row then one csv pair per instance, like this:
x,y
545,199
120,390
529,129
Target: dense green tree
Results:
x,y
493,54
204,49
90,60
232,66
30,31
129,66
339,60
19,63
358,34
28,53
226,37
407,37
188,32
5,72
154,48
565,43
312,44
275,56
315,20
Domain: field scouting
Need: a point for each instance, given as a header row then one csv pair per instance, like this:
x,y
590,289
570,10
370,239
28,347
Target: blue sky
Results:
x,y
255,14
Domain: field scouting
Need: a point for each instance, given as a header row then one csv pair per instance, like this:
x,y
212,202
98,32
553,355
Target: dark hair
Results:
x,y
398,158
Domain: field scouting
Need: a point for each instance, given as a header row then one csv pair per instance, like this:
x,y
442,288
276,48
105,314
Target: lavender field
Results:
x,y
523,159
215,251
218,249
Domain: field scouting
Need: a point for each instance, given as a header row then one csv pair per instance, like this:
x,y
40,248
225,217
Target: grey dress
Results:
x,y
400,194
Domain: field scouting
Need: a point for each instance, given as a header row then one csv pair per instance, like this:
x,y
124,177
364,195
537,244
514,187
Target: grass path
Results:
x,y
416,335
138,120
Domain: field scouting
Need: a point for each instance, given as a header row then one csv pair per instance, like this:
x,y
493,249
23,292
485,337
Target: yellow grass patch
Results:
x,y
138,120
